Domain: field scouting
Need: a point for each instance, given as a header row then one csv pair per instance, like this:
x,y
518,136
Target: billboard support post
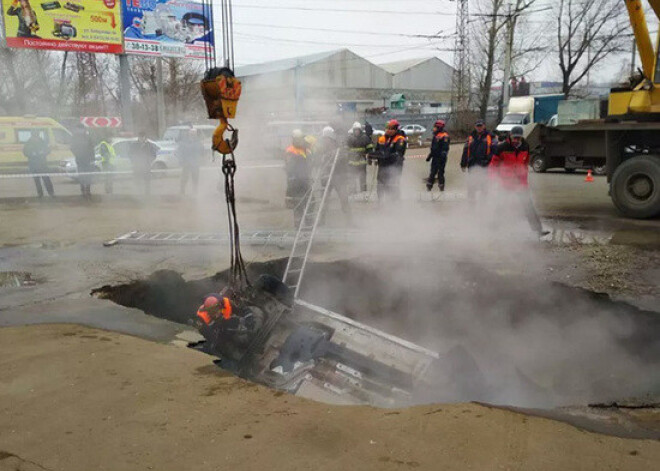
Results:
x,y
160,96
125,92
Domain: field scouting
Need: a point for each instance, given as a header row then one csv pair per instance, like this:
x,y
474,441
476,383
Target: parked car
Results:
x,y
165,157
415,133
173,133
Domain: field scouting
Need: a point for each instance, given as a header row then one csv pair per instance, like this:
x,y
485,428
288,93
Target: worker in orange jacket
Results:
x,y
298,174
390,153
477,153
438,155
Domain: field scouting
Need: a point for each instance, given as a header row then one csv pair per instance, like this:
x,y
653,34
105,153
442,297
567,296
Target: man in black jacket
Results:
x,y
36,150
83,150
438,155
144,153
477,154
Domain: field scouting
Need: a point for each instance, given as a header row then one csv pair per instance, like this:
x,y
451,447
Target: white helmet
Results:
x,y
328,132
297,133
356,125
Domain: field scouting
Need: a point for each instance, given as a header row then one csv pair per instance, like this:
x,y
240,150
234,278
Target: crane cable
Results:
x,y
238,278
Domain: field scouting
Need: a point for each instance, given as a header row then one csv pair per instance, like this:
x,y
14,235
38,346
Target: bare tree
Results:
x,y
490,25
587,32
183,100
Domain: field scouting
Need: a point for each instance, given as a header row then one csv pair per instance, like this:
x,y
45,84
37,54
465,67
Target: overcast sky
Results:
x,y
380,30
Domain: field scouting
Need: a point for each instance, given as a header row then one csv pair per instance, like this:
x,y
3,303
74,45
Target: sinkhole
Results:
x,y
535,343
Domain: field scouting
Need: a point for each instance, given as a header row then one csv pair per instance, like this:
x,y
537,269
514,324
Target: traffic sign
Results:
x,y
101,121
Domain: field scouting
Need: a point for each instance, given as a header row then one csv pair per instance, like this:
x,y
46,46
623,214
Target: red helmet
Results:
x,y
392,124
440,123
211,302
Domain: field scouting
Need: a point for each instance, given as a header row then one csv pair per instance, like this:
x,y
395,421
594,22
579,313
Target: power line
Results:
x,y
332,30
343,10
322,43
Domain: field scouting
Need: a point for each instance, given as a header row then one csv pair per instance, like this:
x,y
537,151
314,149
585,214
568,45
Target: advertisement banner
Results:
x,y
168,28
74,25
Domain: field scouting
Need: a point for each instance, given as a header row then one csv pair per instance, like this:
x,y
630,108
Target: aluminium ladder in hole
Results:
x,y
295,267
302,244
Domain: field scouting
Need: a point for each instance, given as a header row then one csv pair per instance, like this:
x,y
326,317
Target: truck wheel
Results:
x,y
636,187
539,164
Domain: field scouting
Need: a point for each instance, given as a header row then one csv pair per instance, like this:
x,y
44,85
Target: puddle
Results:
x,y
17,279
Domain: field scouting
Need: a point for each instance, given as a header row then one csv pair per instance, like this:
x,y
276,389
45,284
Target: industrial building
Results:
x,y
341,83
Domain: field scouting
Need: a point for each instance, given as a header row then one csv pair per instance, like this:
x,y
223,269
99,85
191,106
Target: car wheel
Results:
x,y
539,164
159,166
636,187
569,170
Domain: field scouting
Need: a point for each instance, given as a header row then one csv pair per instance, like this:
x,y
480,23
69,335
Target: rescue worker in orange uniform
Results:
x,y
438,155
227,328
298,174
215,307
390,152
508,169
477,154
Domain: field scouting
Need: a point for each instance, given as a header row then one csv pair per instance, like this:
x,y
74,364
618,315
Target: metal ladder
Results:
x,y
295,267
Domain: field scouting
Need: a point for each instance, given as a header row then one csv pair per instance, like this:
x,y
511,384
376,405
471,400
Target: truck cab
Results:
x,y
526,110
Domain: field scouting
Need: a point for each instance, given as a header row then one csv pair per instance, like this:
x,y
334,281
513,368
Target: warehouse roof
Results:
x,y
283,64
401,66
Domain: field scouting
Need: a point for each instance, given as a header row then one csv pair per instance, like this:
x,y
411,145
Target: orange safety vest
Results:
x,y
442,135
297,151
383,139
226,311
489,141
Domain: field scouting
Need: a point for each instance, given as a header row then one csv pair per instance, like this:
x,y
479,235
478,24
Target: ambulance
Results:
x,y
14,133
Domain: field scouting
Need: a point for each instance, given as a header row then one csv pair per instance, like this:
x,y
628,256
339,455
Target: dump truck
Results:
x,y
627,141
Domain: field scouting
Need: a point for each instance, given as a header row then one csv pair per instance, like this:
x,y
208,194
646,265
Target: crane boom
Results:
x,y
641,99
642,36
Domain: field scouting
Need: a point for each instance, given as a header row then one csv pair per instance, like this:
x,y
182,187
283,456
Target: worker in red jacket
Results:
x,y
508,168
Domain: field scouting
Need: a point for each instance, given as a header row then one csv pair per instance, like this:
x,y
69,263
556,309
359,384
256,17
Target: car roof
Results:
x,y
194,126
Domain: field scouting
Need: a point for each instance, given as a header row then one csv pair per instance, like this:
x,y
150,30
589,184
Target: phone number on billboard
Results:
x,y
141,47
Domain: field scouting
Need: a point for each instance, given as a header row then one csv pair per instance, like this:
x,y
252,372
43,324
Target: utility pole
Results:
x,y
507,59
588,70
460,100
298,88
160,96
125,93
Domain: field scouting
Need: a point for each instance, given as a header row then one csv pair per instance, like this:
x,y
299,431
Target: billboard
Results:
x,y
65,25
169,28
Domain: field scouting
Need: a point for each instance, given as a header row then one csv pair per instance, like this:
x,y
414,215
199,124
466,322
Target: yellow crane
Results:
x,y
644,96
627,142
